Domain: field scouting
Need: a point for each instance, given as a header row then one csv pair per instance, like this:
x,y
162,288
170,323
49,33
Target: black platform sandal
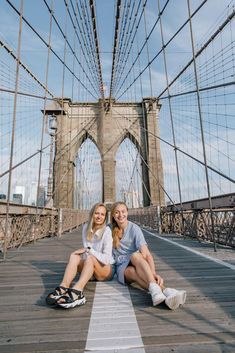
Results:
x,y
70,301
52,297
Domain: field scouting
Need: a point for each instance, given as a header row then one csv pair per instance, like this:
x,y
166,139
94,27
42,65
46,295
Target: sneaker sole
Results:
x,y
160,298
174,301
77,302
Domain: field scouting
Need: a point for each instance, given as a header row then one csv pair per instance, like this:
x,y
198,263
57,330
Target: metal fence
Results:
x,y
28,224
218,227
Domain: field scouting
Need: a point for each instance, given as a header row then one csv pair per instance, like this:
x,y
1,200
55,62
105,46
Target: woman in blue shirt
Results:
x,y
134,262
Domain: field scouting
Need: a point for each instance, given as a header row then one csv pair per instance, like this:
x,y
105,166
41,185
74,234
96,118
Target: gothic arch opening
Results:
x,y
88,176
128,174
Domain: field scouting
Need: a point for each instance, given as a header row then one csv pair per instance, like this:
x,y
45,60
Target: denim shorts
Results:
x,y
113,272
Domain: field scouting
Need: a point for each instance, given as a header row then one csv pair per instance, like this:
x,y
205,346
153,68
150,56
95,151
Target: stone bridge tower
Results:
x,y
107,124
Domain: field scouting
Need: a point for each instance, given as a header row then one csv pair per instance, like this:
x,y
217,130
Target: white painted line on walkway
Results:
x,y
232,267
113,326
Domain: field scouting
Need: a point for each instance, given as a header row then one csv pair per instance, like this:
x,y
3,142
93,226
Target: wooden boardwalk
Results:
x,y
205,324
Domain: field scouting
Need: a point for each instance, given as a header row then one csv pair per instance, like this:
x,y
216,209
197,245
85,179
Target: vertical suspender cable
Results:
x,y
144,132
170,109
13,127
50,177
62,94
44,115
151,94
70,127
201,123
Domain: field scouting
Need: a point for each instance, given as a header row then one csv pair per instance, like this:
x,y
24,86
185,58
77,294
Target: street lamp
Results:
x,y
52,132
52,124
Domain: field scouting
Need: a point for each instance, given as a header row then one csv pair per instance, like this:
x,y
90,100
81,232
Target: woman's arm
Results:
x,y
82,250
144,250
105,256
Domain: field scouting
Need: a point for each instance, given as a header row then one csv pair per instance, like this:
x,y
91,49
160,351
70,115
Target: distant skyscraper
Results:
x,y
41,196
19,190
135,199
132,198
33,193
17,198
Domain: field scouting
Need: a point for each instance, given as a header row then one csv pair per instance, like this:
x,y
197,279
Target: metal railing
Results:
x,y
28,223
191,223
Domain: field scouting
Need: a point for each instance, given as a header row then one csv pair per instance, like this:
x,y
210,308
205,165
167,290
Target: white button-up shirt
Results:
x,y
101,248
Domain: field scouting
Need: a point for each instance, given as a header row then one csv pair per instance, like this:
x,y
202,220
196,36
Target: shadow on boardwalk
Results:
x,y
205,324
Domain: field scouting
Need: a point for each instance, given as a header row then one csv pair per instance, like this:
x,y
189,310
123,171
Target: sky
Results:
x,y
215,68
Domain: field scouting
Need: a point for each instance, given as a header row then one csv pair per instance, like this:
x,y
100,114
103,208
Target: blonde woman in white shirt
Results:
x,y
94,259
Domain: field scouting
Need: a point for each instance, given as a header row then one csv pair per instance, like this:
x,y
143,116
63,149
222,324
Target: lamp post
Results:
x,y
52,132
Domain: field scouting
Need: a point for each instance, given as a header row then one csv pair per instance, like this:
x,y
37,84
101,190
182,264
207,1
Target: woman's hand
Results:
x,y
159,279
80,251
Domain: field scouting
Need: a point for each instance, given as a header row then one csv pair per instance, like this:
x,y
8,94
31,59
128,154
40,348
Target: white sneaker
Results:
x,y
174,297
156,294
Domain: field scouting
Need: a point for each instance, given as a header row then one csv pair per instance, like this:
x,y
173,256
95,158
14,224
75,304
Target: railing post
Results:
x,y
7,235
159,219
52,223
60,222
33,229
36,226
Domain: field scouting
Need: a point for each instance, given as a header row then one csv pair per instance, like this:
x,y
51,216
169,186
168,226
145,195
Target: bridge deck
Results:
x,y
204,324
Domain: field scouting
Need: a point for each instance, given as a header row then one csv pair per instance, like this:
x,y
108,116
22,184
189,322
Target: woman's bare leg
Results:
x,y
132,276
92,267
142,268
145,278
74,266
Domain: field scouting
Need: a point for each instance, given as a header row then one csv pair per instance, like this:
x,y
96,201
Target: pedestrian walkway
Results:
x,y
220,253
205,324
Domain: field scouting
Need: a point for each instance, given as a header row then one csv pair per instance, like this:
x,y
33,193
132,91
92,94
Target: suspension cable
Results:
x,y
118,10
170,108
92,8
215,34
160,51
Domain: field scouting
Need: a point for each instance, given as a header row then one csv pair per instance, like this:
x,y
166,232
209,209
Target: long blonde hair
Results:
x,y
116,231
101,228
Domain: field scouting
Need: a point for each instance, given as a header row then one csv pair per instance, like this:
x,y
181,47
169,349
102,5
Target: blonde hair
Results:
x,y
101,228
116,231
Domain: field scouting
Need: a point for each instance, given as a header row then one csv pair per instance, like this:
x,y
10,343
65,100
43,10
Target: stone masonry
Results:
x,y
107,124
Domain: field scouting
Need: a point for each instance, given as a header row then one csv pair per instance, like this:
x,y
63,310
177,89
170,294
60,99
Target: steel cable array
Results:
x,y
193,82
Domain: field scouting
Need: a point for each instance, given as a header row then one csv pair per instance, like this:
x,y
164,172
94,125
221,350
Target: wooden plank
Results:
x,y
205,324
191,348
207,316
26,278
